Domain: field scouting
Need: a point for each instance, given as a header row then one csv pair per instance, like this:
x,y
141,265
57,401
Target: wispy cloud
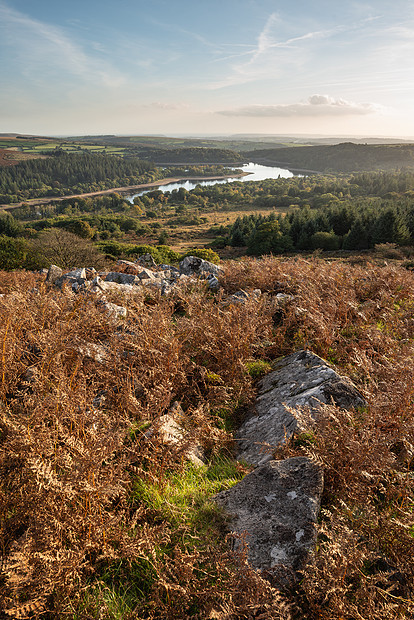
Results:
x,y
44,46
316,105
164,105
273,55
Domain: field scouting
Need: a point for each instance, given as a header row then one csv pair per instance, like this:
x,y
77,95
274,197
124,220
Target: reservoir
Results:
x,y
256,172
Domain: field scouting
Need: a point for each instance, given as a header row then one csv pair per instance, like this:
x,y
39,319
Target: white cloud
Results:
x,y
316,105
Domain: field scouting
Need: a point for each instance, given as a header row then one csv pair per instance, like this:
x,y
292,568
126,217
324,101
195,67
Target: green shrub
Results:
x,y
167,254
219,243
205,253
12,253
325,241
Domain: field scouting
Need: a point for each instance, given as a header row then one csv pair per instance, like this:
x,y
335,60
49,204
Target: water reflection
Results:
x,y
256,173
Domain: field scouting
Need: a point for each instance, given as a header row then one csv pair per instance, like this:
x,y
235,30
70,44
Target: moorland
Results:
x,y
99,522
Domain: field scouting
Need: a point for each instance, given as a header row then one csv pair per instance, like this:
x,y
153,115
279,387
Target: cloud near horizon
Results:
x,y
315,105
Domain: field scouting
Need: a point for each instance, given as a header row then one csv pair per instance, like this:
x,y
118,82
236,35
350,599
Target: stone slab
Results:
x,y
276,507
302,379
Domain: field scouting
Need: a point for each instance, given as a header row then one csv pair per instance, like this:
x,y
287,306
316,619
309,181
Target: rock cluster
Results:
x,y
132,277
276,506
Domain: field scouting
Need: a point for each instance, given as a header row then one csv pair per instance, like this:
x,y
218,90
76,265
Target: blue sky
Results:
x,y
217,67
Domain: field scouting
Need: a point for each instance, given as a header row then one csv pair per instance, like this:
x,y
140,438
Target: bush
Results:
x,y
167,254
63,248
78,227
325,241
12,253
388,250
205,253
219,243
258,368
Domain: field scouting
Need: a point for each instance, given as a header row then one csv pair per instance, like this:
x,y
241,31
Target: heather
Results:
x,y
101,520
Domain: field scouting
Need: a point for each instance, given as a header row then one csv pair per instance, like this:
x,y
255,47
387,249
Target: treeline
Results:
x,y
107,203
345,157
202,170
63,173
96,217
350,227
313,191
349,212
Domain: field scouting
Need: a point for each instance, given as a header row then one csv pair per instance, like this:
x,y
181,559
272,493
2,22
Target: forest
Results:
x,y
188,155
344,157
354,212
63,173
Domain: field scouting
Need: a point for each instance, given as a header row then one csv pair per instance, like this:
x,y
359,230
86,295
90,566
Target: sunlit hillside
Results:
x,y
102,520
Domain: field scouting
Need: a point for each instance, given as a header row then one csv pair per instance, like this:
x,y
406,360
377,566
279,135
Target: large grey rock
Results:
x,y
66,281
118,312
302,379
100,287
146,274
79,274
213,283
276,506
75,278
121,278
96,352
54,272
170,268
192,265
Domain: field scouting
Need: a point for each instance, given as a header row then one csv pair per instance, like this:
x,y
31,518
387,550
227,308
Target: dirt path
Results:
x,y
118,190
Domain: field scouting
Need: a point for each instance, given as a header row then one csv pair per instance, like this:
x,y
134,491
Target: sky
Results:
x,y
216,67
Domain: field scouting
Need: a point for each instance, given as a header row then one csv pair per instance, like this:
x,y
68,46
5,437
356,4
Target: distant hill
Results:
x,y
344,157
189,155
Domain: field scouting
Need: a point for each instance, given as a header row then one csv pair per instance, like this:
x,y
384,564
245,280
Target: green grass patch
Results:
x,y
258,368
184,498
123,588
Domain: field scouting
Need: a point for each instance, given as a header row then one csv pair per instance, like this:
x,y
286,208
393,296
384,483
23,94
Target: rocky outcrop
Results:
x,y
276,506
302,379
135,276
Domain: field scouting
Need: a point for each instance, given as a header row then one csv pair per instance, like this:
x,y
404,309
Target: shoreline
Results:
x,y
32,202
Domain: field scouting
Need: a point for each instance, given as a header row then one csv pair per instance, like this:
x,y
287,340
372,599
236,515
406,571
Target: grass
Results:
x,y
258,368
184,497
181,238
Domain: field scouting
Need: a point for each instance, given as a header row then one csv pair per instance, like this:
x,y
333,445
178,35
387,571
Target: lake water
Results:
x,y
256,173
